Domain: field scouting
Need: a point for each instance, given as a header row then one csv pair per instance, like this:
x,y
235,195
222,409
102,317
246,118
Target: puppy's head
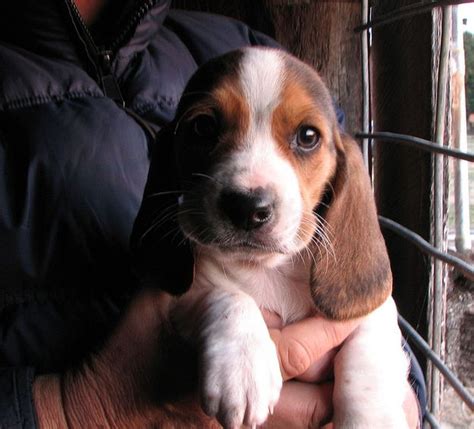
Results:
x,y
256,145
265,173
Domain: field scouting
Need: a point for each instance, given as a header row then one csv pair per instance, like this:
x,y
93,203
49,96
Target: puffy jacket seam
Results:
x,y
21,103
145,107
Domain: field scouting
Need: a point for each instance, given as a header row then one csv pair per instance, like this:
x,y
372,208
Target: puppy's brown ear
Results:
x,y
161,256
351,277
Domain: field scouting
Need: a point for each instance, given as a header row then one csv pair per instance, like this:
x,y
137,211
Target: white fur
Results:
x,y
240,375
258,162
241,371
261,78
370,374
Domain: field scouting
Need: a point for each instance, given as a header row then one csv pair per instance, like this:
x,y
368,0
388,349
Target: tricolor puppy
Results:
x,y
278,206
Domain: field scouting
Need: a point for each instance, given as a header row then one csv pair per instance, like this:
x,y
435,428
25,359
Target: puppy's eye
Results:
x,y
307,138
204,126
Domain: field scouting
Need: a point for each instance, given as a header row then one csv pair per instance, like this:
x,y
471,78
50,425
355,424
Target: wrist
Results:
x,y
91,397
48,402
76,400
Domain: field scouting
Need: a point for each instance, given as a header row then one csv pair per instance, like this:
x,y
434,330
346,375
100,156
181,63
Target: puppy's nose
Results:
x,y
247,210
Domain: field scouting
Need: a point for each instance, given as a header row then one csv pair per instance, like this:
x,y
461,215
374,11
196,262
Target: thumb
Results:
x,y
301,344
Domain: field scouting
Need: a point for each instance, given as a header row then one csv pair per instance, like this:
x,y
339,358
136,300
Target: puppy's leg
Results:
x,y
240,378
370,374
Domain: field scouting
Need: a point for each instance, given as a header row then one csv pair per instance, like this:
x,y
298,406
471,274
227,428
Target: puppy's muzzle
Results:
x,y
248,210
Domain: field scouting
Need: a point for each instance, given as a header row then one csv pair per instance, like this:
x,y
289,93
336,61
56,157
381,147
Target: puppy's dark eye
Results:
x,y
307,138
204,126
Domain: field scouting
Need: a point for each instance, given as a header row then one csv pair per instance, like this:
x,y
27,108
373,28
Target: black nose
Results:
x,y
247,210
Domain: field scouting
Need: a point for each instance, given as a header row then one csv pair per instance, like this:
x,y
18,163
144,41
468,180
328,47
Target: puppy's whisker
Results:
x,y
177,230
169,212
205,176
163,217
325,223
159,194
196,234
161,211
326,242
192,236
310,254
329,250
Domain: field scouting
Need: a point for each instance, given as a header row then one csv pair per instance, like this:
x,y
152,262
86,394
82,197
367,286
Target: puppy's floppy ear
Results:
x,y
353,277
161,256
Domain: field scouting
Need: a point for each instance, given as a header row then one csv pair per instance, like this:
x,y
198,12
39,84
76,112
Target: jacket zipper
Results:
x,y
102,58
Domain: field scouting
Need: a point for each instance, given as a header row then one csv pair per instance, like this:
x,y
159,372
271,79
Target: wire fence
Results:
x,y
438,150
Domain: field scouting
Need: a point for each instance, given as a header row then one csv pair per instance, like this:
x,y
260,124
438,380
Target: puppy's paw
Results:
x,y
241,378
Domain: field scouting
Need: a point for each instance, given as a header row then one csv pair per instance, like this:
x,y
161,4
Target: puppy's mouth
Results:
x,y
252,246
237,245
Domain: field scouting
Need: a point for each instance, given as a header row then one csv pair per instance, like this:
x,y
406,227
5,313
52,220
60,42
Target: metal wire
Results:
x,y
432,420
462,266
365,83
426,145
423,346
438,148
406,11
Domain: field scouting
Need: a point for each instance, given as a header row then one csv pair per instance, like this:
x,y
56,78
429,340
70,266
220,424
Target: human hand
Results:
x,y
306,350
122,387
129,384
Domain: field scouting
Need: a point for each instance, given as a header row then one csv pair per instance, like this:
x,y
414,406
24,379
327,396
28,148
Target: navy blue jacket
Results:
x,y
73,166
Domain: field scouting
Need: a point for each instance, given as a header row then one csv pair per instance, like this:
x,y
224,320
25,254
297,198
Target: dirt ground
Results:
x,y
459,353
459,350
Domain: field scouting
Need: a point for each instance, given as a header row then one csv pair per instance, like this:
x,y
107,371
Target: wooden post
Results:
x,y
403,90
459,135
437,290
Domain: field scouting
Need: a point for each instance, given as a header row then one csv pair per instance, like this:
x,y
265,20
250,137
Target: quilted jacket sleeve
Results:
x,y
16,402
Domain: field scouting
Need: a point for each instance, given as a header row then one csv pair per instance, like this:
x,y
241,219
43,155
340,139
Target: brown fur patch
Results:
x,y
353,277
235,112
314,170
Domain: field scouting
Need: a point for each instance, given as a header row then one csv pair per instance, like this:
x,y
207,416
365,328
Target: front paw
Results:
x,y
241,379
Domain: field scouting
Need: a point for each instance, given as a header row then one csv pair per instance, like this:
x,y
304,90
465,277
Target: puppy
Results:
x,y
278,207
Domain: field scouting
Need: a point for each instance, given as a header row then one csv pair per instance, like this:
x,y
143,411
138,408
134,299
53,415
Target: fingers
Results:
x,y
302,405
272,320
301,344
320,370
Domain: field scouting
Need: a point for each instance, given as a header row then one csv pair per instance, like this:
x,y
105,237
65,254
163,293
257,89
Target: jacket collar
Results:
x,y
52,28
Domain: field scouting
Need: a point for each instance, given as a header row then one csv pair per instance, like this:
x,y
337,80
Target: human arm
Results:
x,y
122,386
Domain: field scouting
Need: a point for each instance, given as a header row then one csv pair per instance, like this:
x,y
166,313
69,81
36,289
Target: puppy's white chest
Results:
x,y
283,289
